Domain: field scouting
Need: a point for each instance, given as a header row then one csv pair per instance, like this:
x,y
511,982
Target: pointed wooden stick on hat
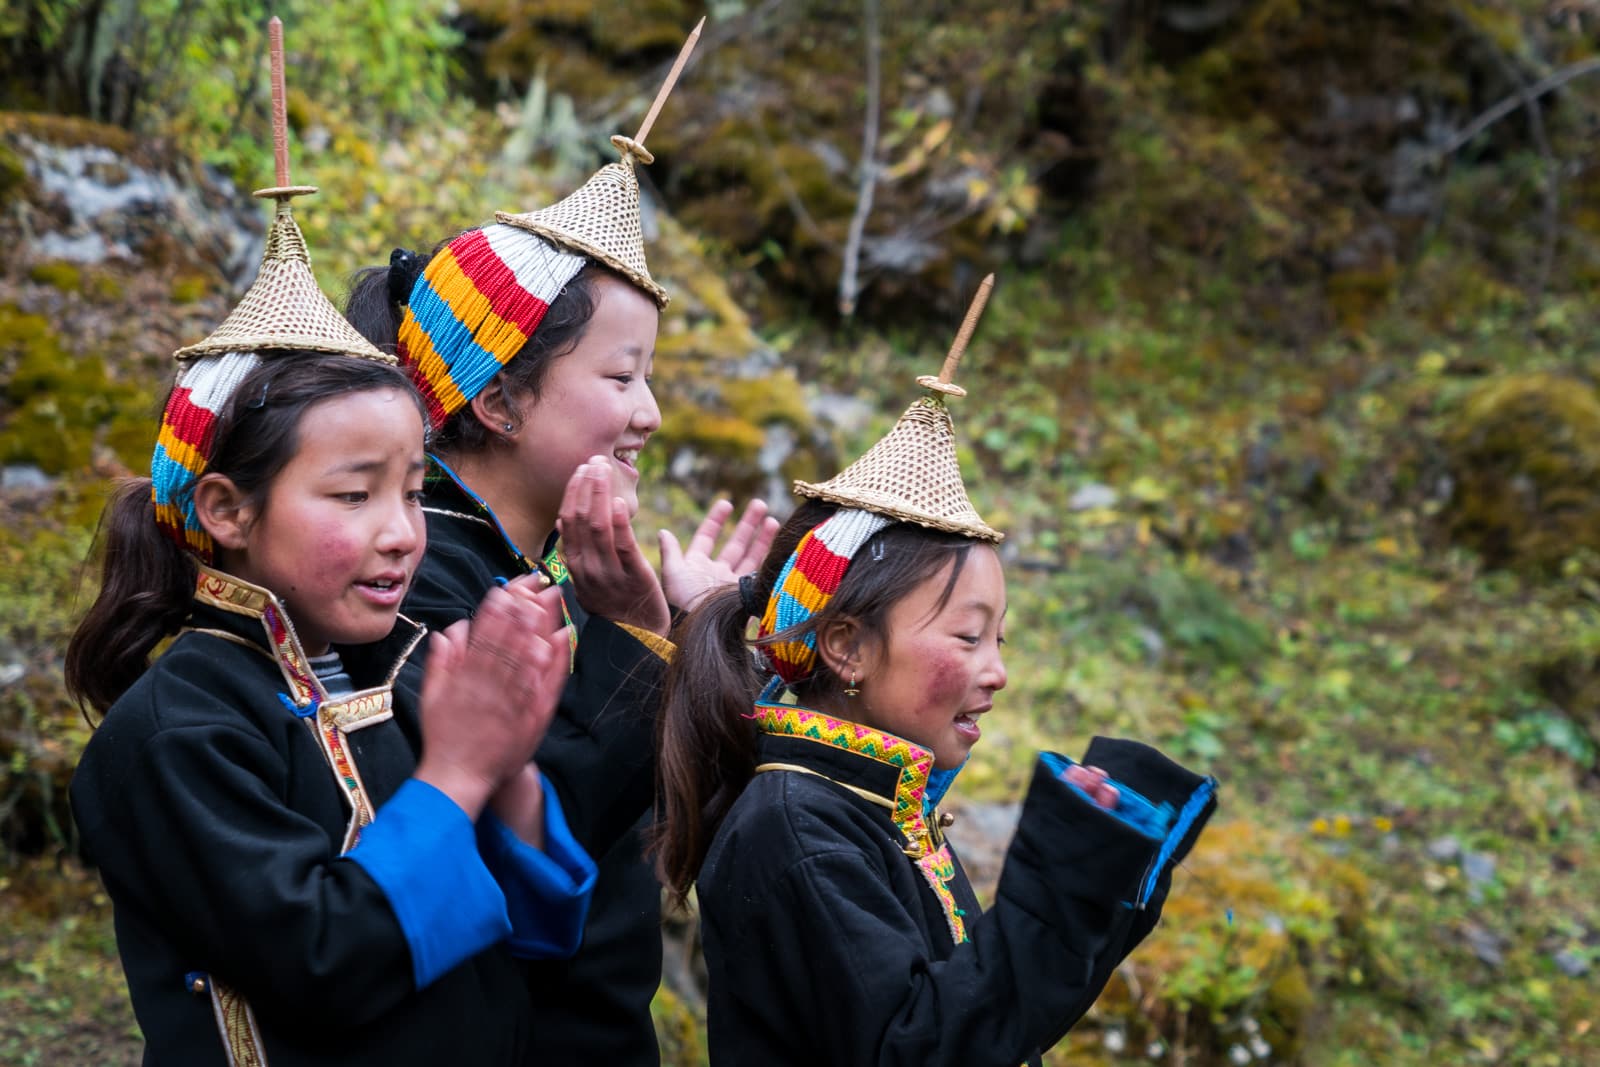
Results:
x,y
283,191
601,218
666,86
284,308
958,348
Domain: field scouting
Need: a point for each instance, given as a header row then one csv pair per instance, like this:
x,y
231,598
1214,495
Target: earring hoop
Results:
x,y
852,690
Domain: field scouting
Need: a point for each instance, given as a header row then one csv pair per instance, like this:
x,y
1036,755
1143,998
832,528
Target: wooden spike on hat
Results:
x,y
284,308
912,474
601,219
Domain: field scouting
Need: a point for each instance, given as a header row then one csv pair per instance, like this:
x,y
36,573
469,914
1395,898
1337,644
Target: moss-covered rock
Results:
x,y
1524,451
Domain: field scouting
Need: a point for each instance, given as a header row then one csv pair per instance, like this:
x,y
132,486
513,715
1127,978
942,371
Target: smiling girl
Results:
x,y
838,924
532,341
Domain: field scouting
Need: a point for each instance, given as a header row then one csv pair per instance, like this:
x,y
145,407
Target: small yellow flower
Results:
x,y
1319,826
1341,826
1383,824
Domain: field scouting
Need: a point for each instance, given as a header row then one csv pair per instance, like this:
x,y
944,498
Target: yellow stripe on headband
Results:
x,y
179,450
499,337
419,350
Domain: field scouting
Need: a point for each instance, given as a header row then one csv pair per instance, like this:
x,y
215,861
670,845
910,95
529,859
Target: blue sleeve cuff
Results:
x,y
421,851
1192,809
1149,819
547,892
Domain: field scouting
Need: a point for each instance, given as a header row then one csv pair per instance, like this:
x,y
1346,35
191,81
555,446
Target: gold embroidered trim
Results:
x,y
459,515
244,642
663,649
241,1034
864,794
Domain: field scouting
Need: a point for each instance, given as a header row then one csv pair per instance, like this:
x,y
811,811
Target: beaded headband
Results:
x,y
911,475
283,309
480,299
806,584
473,308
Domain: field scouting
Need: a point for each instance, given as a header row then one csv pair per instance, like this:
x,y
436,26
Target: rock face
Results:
x,y
87,194
117,254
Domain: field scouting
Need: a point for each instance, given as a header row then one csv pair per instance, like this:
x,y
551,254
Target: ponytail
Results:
x,y
705,741
146,584
371,309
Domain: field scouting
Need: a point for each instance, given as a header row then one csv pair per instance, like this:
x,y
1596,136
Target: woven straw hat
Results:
x,y
285,308
912,474
601,219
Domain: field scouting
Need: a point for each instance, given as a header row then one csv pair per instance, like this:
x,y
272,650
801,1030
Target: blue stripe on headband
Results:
x,y
469,363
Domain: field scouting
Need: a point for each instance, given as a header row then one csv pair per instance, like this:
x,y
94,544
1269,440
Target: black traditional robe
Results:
x,y
600,755
283,890
839,927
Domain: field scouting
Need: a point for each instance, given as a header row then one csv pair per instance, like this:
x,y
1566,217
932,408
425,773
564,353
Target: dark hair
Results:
x,y
705,742
375,315
147,581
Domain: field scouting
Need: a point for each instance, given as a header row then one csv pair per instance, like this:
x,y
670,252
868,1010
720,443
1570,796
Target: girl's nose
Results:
x,y
401,531
647,416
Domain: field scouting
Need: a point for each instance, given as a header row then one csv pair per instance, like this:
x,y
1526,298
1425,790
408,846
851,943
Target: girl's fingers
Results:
x,y
760,546
671,553
738,546
710,528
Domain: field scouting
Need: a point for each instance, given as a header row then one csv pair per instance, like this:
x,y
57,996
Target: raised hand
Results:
x,y
1096,783
609,572
489,693
688,576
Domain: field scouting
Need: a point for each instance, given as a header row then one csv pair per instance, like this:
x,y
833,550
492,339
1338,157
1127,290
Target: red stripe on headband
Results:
x,y
190,423
488,273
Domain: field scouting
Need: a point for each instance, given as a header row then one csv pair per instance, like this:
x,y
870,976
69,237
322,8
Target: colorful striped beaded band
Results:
x,y
806,584
474,307
183,447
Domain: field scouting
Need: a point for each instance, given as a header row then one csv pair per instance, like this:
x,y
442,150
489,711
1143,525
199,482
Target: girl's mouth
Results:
x,y
384,592
967,725
628,457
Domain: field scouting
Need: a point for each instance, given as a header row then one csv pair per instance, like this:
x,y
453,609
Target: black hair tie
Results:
x,y
405,267
750,598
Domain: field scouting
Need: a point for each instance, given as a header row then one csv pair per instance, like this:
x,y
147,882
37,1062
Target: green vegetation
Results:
x,y
1289,413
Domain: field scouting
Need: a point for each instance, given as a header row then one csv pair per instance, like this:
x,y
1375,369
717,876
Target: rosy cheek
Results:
x,y
944,682
335,555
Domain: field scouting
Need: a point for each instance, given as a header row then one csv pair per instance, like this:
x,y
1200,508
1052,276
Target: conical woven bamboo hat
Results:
x,y
284,308
912,474
601,219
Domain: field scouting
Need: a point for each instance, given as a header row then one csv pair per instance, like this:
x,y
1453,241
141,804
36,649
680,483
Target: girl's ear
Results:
x,y
496,410
843,646
224,511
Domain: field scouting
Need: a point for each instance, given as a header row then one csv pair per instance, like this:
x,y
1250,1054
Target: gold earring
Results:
x,y
852,690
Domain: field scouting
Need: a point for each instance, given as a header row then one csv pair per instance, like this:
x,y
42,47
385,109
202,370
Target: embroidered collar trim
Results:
x,y
234,595
908,806
913,762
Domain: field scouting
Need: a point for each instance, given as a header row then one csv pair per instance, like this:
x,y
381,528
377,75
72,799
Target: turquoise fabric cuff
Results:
x,y
547,891
421,851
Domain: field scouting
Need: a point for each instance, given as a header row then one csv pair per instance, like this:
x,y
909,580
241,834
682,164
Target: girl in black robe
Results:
x,y
316,853
838,924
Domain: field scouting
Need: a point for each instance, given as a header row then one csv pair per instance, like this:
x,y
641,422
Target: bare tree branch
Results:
x,y
1518,99
849,285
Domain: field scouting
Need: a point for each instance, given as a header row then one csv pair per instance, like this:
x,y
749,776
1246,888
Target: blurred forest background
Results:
x,y
1286,397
